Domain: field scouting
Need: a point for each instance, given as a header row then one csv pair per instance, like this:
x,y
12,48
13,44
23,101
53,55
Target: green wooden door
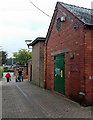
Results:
x,y
59,78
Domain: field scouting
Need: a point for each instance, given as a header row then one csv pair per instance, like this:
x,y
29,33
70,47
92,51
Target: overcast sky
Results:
x,y
20,20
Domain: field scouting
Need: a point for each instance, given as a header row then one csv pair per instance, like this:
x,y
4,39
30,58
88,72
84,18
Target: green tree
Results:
x,y
22,56
3,57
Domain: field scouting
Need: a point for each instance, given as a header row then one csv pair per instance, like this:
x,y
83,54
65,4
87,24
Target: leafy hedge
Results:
x,y
1,72
5,68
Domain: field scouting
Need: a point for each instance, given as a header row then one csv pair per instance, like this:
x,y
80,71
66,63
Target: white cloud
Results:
x,y
14,31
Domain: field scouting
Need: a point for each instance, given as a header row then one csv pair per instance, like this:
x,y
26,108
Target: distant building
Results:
x,y
24,71
68,55
30,69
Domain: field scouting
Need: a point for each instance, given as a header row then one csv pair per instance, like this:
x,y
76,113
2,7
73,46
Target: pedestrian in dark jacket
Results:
x,y
8,76
20,77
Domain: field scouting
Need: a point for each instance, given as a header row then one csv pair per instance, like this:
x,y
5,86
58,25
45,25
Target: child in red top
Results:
x,y
8,76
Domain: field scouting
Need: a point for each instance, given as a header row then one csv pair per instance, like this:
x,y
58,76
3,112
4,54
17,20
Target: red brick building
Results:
x,y
68,63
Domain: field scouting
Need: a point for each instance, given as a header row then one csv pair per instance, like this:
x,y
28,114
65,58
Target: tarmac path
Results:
x,y
25,100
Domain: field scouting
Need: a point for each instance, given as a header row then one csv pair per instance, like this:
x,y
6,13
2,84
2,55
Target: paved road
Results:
x,y
25,100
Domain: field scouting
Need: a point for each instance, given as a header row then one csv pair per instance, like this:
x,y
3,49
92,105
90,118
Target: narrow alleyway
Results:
x,y
25,100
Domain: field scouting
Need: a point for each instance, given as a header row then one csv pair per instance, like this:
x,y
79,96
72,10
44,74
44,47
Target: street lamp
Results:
x,y
28,42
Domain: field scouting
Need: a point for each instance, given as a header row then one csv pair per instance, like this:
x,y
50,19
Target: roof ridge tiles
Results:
x,y
74,5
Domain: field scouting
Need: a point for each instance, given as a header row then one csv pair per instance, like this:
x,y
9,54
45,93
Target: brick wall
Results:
x,y
35,63
24,71
16,71
41,71
89,65
38,64
75,69
29,70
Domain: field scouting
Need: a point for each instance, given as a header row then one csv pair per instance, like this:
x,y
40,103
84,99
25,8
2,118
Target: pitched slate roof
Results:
x,y
83,14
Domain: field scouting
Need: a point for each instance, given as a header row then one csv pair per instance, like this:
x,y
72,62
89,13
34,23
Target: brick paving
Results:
x,y
25,100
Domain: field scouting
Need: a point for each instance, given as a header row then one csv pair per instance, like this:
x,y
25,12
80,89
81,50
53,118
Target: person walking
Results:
x,y
20,77
8,76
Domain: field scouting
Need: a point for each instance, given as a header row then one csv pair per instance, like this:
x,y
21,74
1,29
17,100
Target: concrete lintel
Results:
x,y
60,51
